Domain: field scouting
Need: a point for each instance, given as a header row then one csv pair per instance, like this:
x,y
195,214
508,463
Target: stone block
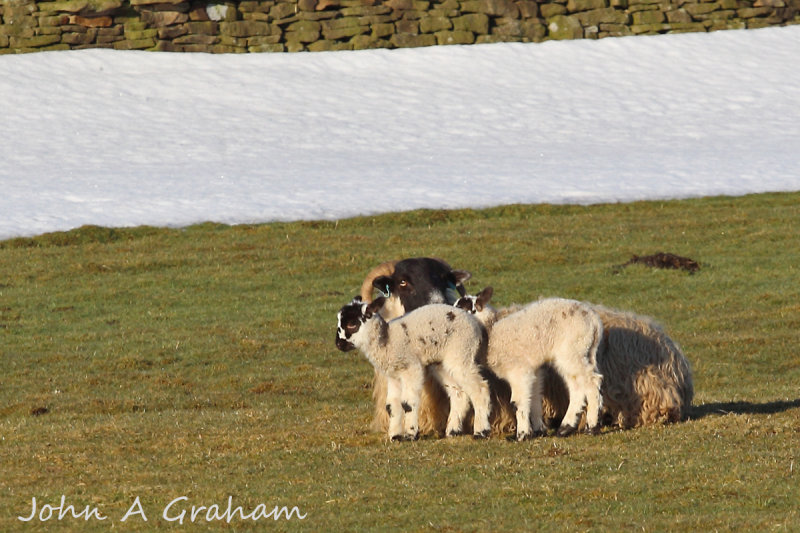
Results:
x,y
499,8
64,6
434,24
141,35
400,5
382,30
363,11
74,38
172,31
648,17
552,10
91,22
454,37
267,48
246,28
614,30
407,40
564,27
751,12
678,16
327,4
37,41
509,29
574,6
207,28
407,26
262,39
701,9
649,29
533,30
477,23
154,2
528,8
55,20
303,32
164,18
606,15
282,11
361,42
196,39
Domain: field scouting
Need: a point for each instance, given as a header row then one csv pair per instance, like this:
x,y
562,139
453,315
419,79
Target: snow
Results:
x,y
127,138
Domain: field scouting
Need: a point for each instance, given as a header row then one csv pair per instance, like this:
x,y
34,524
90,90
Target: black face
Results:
x,y
350,319
467,303
421,281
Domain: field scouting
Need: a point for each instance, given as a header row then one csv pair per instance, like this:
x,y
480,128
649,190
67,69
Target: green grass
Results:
x,y
160,363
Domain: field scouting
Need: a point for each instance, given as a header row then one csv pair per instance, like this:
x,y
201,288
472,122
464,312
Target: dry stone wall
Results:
x,y
316,25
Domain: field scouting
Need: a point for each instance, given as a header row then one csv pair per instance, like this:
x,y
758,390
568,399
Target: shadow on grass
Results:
x,y
742,408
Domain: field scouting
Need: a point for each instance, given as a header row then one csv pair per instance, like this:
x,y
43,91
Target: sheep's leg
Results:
x,y
577,397
394,407
413,380
537,416
594,403
459,401
522,384
469,379
481,399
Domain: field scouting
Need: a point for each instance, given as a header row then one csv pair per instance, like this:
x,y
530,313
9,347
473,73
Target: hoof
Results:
x,y
397,438
455,433
412,437
530,436
566,431
482,435
595,430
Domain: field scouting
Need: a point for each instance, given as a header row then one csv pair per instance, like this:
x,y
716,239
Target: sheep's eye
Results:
x,y
352,326
403,283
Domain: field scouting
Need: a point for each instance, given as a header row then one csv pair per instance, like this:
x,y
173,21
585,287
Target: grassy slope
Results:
x,y
200,363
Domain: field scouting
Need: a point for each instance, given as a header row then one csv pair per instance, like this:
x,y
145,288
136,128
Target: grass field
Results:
x,y
159,364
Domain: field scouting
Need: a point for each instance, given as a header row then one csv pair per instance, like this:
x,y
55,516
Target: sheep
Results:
x,y
562,333
437,337
407,285
646,377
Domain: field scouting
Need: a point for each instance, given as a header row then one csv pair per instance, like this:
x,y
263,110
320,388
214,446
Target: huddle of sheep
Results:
x,y
436,351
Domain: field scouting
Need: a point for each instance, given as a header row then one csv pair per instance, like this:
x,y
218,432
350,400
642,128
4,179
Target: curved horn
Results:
x,y
384,269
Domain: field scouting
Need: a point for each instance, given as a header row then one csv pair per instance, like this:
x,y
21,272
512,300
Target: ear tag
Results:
x,y
451,293
386,293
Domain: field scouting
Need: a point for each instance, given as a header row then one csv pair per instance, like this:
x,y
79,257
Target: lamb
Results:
x,y
646,377
562,333
439,338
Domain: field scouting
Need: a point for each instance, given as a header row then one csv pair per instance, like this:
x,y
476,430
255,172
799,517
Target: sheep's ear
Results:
x,y
374,307
356,299
461,276
483,298
384,284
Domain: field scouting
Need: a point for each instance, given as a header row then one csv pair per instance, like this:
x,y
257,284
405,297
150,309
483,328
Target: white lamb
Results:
x,y
562,333
439,338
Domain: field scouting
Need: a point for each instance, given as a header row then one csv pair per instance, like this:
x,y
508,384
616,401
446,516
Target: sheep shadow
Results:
x,y
741,408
